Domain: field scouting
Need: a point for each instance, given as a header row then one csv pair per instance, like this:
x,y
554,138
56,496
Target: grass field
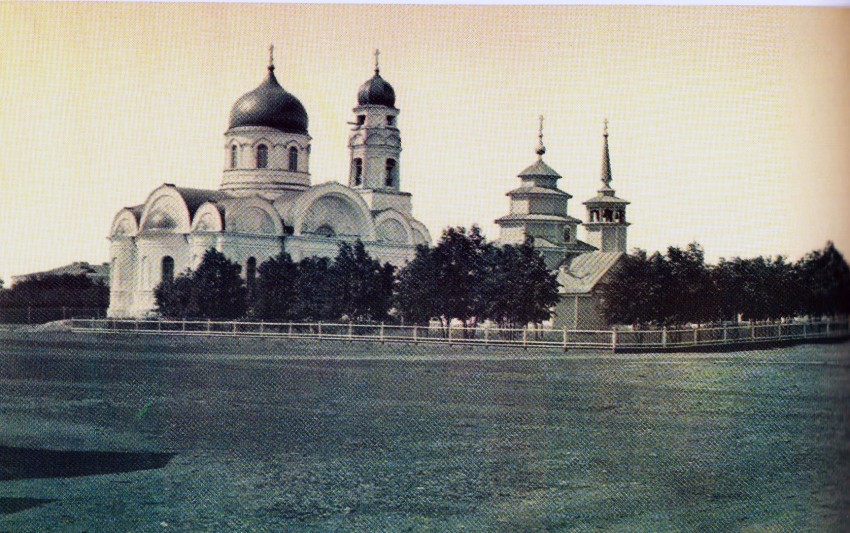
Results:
x,y
275,435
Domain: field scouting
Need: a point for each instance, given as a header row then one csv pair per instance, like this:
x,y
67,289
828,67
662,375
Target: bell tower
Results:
x,y
606,214
375,145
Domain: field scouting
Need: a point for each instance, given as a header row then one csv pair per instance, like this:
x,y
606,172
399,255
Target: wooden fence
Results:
x,y
719,338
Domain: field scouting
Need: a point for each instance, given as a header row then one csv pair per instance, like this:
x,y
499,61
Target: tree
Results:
x,y
56,290
362,288
691,292
214,290
825,279
177,298
275,290
417,293
313,300
520,289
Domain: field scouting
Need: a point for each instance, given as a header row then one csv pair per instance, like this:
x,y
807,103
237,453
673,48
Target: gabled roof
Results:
x,y
194,198
586,270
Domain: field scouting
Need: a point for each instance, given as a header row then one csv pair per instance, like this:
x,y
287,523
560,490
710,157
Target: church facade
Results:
x,y
266,202
538,209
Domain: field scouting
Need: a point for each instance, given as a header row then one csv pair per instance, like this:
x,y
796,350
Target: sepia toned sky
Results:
x,y
729,125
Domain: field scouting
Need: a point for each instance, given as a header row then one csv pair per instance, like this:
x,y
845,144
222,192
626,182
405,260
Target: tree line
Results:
x,y
680,288
55,291
463,278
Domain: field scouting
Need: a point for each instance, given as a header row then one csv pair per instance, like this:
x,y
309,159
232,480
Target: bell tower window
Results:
x,y
357,171
361,119
167,269
389,179
262,156
293,159
234,157
390,120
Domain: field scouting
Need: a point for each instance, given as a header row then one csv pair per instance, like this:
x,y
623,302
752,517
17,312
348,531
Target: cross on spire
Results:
x,y
605,127
540,148
377,53
271,57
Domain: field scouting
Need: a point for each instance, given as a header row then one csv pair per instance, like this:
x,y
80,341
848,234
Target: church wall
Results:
x,y
121,276
379,200
238,248
512,234
519,206
151,248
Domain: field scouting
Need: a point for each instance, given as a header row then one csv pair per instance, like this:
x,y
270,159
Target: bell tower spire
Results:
x,y
606,214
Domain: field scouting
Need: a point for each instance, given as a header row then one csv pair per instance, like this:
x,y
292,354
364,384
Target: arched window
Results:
x,y
293,159
250,275
391,173
234,157
262,156
567,234
325,231
167,269
607,216
357,171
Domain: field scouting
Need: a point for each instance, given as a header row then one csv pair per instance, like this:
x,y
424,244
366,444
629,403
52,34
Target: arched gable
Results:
x,y
125,223
331,205
209,217
252,215
165,210
392,227
421,235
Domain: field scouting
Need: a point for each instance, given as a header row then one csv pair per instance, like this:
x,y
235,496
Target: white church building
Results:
x,y
266,202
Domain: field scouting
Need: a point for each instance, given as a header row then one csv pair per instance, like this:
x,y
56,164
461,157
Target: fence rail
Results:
x,y
617,340
40,315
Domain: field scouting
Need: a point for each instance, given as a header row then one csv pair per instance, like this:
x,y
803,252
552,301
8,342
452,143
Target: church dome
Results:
x,y
376,91
271,106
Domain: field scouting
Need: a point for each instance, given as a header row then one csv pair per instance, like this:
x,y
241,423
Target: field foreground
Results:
x,y
303,436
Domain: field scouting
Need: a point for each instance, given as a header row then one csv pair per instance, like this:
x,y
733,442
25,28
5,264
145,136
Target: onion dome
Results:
x,y
271,106
376,91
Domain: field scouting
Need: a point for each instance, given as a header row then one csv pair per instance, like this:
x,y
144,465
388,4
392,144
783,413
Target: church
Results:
x,y
266,202
538,209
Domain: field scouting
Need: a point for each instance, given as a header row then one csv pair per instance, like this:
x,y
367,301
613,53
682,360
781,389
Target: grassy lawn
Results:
x,y
307,436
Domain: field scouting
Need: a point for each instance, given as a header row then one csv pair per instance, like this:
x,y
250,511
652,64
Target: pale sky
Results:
x,y
729,125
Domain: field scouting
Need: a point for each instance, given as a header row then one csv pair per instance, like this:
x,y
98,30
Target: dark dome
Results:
x,y
376,91
271,106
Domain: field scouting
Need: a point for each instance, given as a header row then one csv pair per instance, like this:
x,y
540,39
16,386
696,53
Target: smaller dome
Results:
x,y
376,91
271,106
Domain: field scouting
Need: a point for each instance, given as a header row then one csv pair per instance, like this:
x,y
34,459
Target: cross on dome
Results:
x,y
377,53
540,148
271,57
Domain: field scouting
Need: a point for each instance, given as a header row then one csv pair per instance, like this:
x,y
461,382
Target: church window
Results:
x,y
594,216
390,180
357,171
262,156
167,269
325,231
293,159
567,234
234,157
607,216
250,275
390,120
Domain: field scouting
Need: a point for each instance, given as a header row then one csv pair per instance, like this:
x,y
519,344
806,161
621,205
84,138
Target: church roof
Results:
x,y
602,198
194,198
539,169
586,270
516,217
376,90
271,106
534,190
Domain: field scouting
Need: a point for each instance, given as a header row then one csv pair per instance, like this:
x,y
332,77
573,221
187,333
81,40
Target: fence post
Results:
x,y
565,339
382,332
159,325
349,330
524,337
320,331
289,334
183,325
663,336
234,328
414,334
63,312
753,331
613,340
261,327
805,330
827,328
725,337
136,320
487,335
696,335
